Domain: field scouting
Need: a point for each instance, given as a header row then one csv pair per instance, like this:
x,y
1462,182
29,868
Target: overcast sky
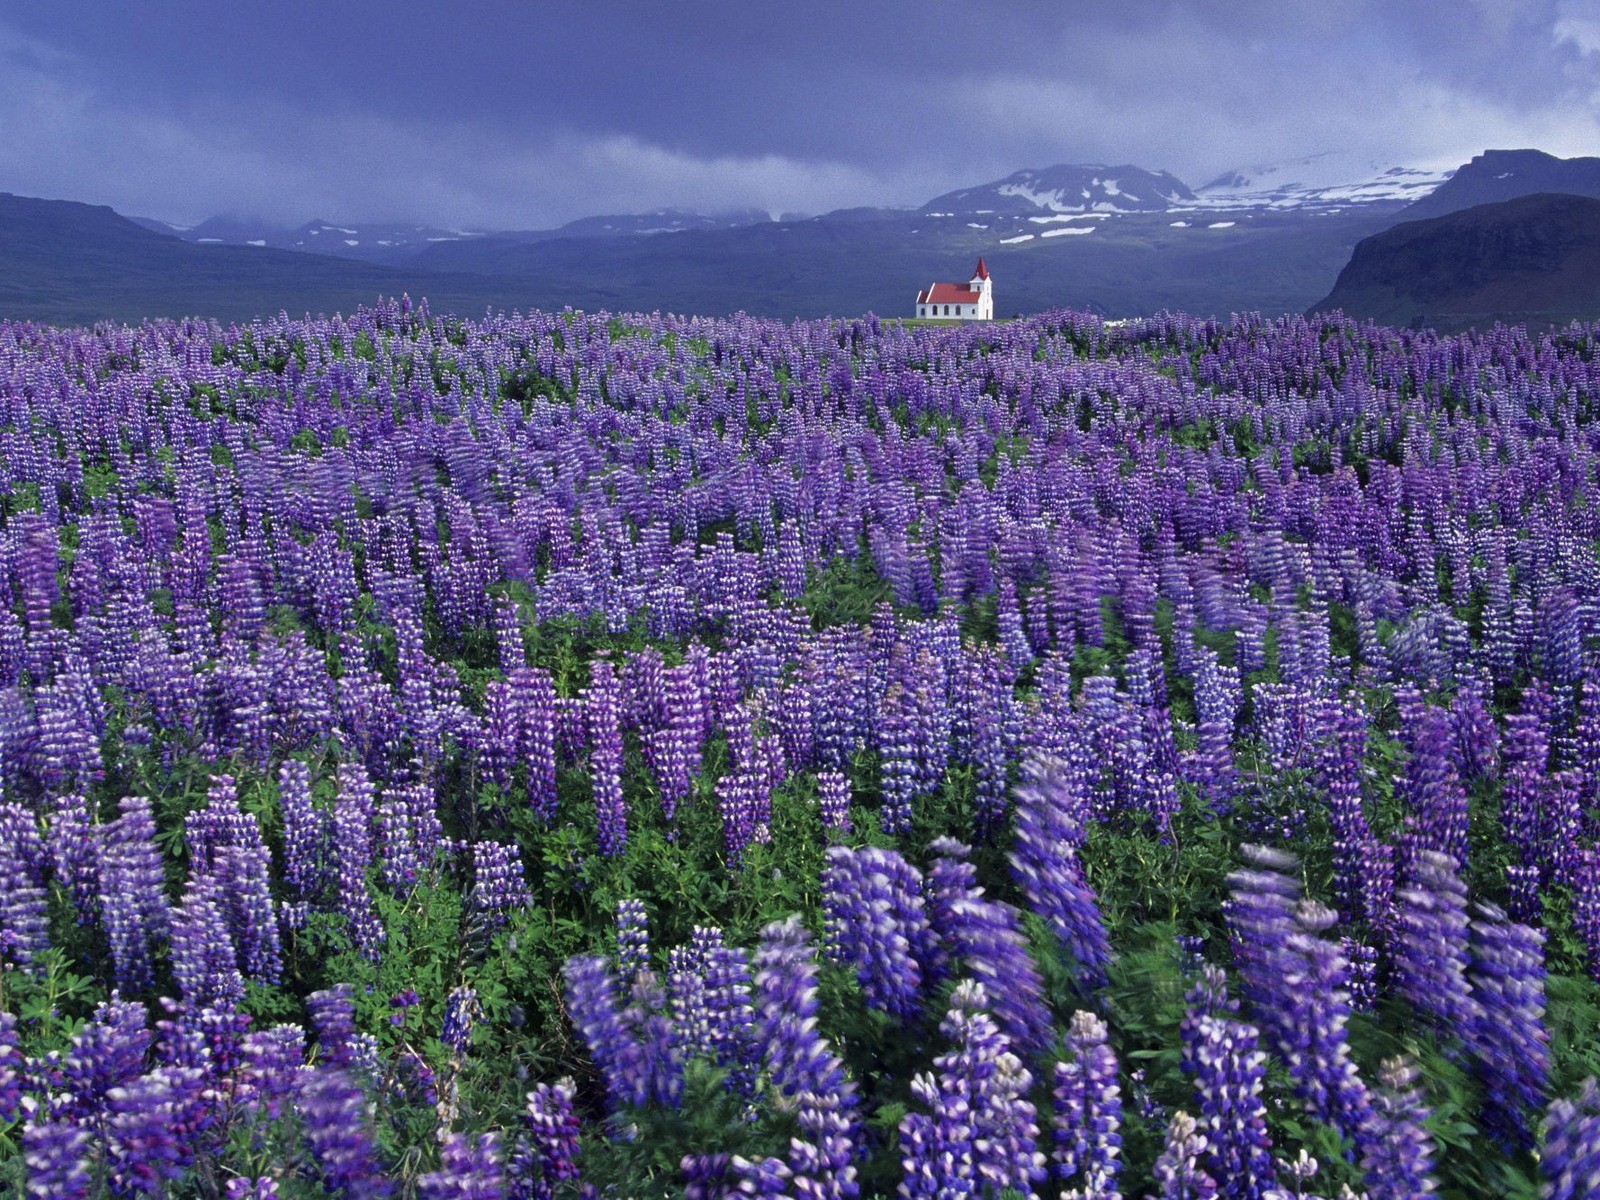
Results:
x,y
525,113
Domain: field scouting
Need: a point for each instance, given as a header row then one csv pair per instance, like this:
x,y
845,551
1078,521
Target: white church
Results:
x,y
970,301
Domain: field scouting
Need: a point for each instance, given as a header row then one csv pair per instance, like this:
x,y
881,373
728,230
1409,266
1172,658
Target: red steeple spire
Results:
x,y
982,272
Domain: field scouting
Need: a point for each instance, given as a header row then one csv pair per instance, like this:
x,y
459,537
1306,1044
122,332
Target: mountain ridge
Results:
x,y
1499,175
1533,259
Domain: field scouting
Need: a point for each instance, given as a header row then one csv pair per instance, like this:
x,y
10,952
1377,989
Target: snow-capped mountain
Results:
x,y
1321,181
1068,188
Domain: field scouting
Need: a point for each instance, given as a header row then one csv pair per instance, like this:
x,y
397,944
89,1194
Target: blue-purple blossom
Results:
x,y
878,924
1508,1041
337,1119
470,1168
1088,1111
1570,1160
553,1131
1051,817
979,1135
596,1009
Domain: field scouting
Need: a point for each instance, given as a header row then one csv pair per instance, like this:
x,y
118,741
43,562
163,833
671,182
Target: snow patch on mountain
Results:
x,y
1320,181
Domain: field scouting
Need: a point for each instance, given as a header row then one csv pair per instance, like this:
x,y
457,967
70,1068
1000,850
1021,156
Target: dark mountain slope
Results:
x,y
75,263
1498,175
1535,259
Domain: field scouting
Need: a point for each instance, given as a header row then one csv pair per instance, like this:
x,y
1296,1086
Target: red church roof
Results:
x,y
949,293
982,272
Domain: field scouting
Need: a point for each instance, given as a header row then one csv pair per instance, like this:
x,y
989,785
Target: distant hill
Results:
x,y
1497,175
1535,259
65,262
393,243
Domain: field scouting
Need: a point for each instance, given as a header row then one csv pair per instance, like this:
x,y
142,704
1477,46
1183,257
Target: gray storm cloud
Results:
x,y
830,105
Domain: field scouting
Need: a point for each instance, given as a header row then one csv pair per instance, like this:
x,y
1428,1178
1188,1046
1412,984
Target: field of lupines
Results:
x,y
632,756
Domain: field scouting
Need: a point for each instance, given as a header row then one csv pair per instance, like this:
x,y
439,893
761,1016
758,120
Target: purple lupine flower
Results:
x,y
208,1038
333,1019
981,1135
133,902
798,1058
498,735
399,847
1363,962
646,1015
1508,1042
225,841
305,833
1228,1070
986,936
499,886
821,1160
596,1010
1430,955
508,636
633,941
1218,697
721,1176
461,1012
1397,1151
912,731
833,801
706,1176
13,1069
335,1115
739,795
241,1187
679,741
205,962
1430,785
801,1063
1360,892
352,856
712,1014
1585,884
107,1052
1088,1111
602,708
1570,1161
878,924
1298,985
553,1129
57,1156
1477,736
1177,1170
536,706
469,1169
1527,756
270,1062
74,851
1050,826
24,924
145,1146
